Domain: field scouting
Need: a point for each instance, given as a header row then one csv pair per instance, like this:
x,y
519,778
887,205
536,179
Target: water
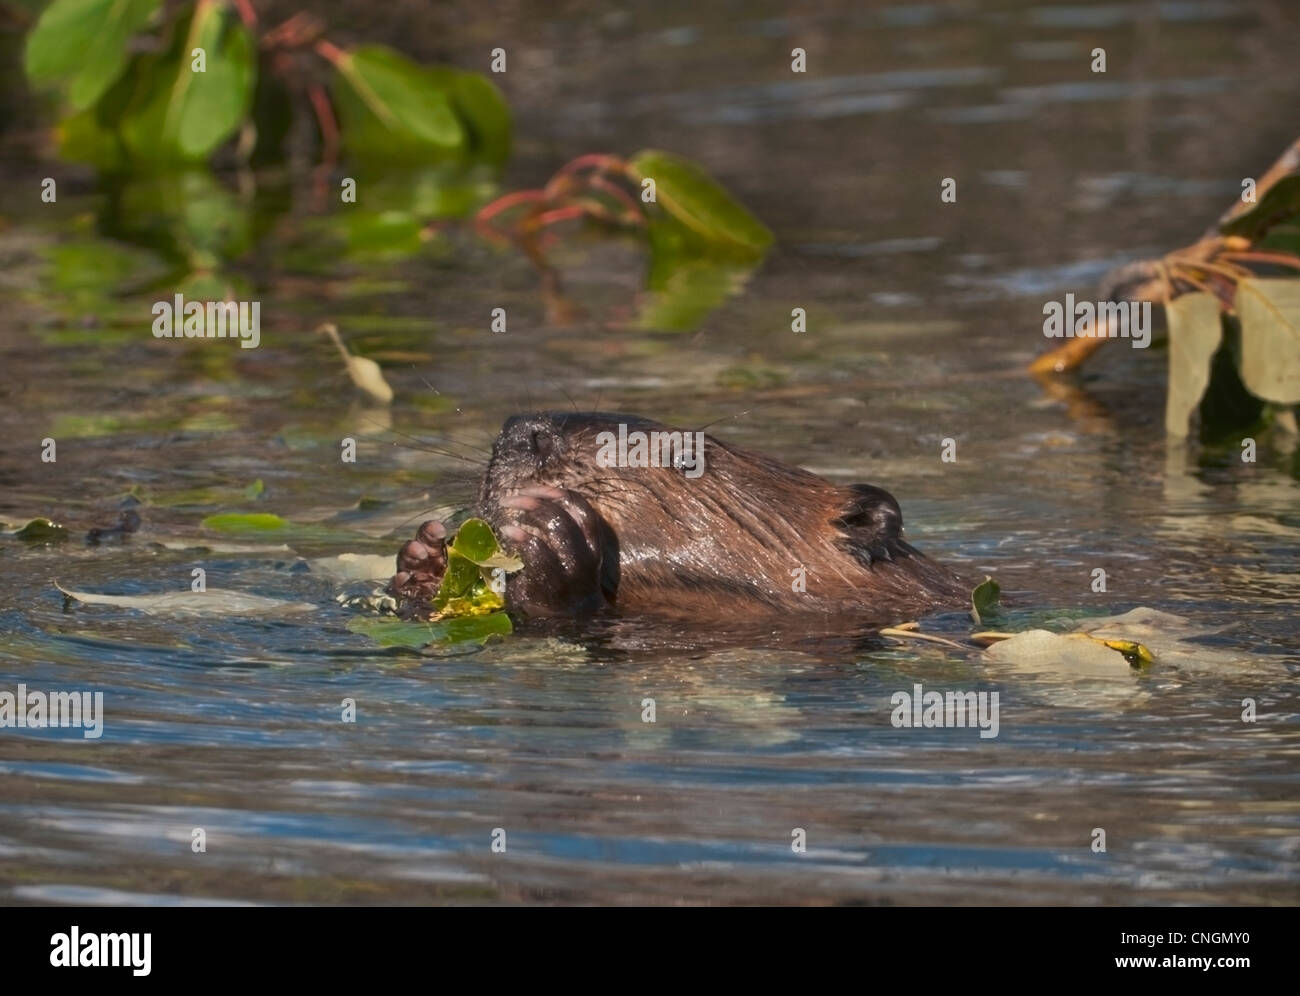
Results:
x,y
920,318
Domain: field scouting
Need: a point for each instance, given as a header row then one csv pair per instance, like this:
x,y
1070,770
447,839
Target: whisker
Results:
x,y
724,418
425,448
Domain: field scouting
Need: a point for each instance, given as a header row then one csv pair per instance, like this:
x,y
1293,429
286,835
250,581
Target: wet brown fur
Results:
x,y
723,544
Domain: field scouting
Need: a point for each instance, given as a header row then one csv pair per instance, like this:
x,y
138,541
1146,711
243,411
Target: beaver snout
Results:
x,y
527,450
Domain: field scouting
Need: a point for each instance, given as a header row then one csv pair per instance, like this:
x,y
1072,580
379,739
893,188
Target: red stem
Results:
x,y
634,215
246,13
329,51
507,201
556,215
593,160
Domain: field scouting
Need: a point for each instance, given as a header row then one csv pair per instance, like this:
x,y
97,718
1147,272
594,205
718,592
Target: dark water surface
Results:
x,y
921,316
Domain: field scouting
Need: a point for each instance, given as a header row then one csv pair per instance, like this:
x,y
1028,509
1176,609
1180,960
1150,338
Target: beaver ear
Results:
x,y
873,523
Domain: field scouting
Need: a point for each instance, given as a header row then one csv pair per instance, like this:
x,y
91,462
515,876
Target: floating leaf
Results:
x,y
356,566
212,602
364,373
1074,654
696,200
1269,311
305,536
244,522
1135,653
41,531
392,110
1195,331
84,42
389,632
984,600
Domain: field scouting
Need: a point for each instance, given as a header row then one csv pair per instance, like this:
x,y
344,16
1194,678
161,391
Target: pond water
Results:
x,y
921,317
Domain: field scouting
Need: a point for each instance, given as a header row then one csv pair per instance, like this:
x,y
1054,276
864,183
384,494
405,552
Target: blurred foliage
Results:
x,y
158,96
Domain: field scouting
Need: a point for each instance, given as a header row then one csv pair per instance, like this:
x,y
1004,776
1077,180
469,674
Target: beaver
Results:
x,y
708,530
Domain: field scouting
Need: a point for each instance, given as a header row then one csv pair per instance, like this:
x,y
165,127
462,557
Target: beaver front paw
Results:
x,y
570,562
421,564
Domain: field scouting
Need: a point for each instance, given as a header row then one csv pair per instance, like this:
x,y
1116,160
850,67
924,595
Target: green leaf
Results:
x,y
984,600
83,43
393,110
178,115
695,199
486,116
1278,204
244,522
1284,237
457,583
472,556
278,533
389,632
1195,331
1269,311
41,531
476,542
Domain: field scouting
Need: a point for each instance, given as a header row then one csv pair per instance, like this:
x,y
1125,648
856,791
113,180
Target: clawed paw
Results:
x,y
564,545
421,563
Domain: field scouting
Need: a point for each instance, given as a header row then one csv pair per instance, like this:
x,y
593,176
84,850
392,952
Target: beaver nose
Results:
x,y
535,435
